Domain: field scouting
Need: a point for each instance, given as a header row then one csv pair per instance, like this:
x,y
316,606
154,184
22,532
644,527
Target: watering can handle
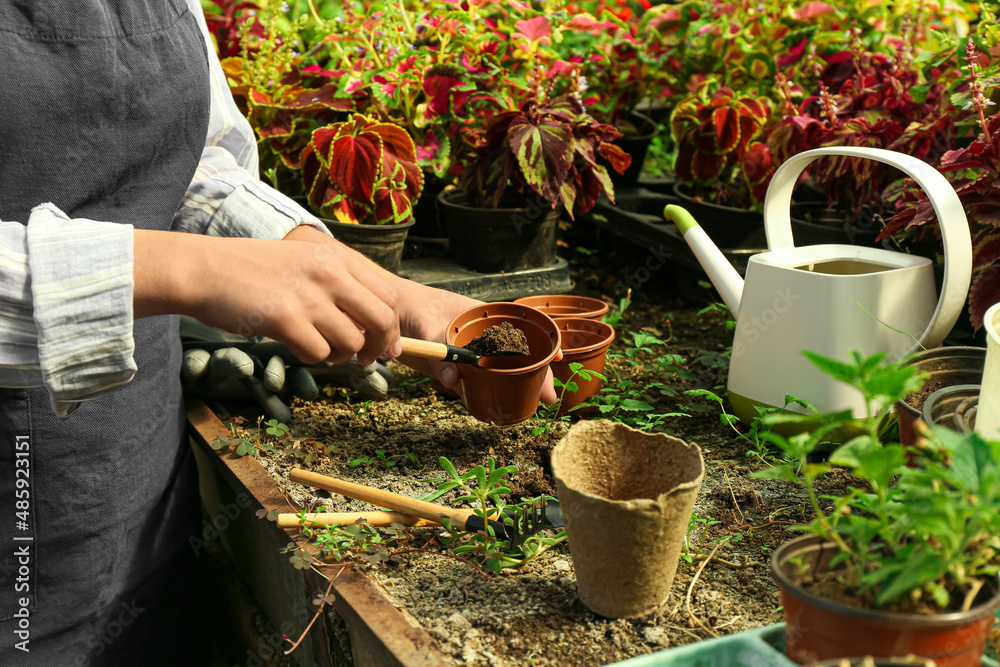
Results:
x,y
951,218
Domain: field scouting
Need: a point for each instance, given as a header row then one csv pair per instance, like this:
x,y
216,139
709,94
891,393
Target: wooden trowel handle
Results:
x,y
394,501
426,349
289,520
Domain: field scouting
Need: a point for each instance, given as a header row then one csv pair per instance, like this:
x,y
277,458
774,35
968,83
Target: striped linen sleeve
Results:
x,y
226,196
65,306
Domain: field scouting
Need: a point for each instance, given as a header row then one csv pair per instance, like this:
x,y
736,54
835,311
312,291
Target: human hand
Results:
x,y
428,319
324,301
424,312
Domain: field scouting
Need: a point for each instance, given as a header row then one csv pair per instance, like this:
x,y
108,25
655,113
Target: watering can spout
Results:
x,y
724,277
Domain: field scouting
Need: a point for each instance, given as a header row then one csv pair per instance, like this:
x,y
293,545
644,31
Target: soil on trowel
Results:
x,y
501,338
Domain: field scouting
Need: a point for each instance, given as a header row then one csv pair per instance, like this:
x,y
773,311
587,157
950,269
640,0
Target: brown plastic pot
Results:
x,y
626,497
566,305
505,390
817,628
584,342
946,366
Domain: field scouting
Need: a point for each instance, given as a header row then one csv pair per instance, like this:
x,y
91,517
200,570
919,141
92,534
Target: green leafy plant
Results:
x,y
921,537
630,397
617,311
484,487
269,436
386,460
754,433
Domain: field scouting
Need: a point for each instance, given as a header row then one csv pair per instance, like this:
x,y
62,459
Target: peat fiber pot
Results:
x,y
817,628
383,244
520,234
566,305
947,367
505,390
584,342
626,497
727,226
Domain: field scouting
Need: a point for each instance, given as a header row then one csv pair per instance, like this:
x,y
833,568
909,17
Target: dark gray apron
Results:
x,y
103,112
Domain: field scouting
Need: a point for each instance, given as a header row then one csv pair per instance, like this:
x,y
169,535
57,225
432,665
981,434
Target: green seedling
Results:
x,y
909,536
270,436
484,488
388,460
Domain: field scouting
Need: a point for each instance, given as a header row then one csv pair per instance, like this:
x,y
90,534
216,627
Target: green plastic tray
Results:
x,y
761,647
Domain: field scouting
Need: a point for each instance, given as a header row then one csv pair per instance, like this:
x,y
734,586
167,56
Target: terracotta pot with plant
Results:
x,y
905,560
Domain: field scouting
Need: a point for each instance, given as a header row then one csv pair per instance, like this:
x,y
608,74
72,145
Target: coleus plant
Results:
x,y
547,145
415,66
718,152
864,99
974,172
362,171
625,61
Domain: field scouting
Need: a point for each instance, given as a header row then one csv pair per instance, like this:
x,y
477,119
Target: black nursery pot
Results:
x,y
520,234
383,244
636,145
727,226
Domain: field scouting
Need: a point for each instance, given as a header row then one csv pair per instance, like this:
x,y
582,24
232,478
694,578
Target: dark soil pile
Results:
x,y
501,338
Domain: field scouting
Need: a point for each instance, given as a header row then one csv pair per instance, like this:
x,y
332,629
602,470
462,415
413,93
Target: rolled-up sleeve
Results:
x,y
66,294
66,285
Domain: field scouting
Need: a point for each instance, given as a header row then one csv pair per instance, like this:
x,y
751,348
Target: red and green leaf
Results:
x,y
543,154
537,29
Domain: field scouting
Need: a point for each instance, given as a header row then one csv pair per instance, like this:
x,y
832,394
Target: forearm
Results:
x,y
321,299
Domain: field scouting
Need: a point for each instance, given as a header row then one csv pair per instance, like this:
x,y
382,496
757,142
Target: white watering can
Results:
x,y
988,407
815,297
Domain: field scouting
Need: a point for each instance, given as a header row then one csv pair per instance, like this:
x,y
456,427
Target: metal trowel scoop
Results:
x,y
426,349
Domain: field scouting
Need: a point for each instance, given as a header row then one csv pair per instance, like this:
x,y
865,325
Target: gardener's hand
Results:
x,y
323,300
220,365
424,313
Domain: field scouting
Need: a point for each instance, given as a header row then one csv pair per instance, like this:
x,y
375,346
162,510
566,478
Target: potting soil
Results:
x,y
499,339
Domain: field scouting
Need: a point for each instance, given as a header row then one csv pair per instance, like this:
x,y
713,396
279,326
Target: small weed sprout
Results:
x,y
628,400
548,415
386,460
270,435
689,554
